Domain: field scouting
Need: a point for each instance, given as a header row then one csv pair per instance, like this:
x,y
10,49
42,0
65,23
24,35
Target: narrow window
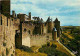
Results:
x,y
1,20
7,21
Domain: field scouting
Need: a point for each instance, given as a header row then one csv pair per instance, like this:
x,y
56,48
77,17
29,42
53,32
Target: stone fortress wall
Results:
x,y
39,40
43,32
30,39
27,29
9,28
7,36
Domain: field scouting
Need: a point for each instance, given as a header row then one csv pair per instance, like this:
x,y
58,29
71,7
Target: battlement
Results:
x,y
5,21
28,24
39,40
40,36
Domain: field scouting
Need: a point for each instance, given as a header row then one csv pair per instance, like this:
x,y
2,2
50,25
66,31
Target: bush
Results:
x,y
44,45
53,45
48,44
51,51
26,48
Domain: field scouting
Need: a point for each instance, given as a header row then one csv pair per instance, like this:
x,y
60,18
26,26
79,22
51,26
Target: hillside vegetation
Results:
x,y
24,53
71,39
46,50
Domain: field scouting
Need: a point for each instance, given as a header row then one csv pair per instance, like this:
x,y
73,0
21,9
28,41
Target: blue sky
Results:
x,y
67,11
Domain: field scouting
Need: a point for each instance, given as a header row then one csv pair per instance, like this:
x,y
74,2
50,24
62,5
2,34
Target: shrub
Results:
x,y
51,51
53,45
48,44
44,45
26,48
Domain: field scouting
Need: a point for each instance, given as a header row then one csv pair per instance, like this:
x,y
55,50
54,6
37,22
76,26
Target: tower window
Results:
x,y
7,21
0,20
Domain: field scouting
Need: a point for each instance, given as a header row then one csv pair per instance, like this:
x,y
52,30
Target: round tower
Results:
x,y
49,25
57,26
29,15
54,34
13,14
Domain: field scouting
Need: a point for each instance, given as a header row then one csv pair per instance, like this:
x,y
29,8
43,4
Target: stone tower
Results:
x,y
21,17
54,34
5,7
57,26
18,37
13,14
42,26
29,15
39,26
49,25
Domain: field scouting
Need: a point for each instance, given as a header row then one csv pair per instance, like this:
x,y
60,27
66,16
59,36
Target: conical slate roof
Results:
x,y
56,19
49,20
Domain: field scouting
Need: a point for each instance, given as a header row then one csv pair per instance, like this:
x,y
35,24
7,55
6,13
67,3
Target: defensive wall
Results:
x,y
7,37
39,40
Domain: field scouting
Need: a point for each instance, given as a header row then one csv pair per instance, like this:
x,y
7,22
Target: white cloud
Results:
x,y
44,13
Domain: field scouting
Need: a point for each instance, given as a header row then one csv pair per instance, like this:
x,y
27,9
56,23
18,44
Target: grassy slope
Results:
x,y
63,49
23,53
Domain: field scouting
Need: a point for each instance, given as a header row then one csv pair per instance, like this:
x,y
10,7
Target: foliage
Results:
x,y
44,45
76,31
51,50
74,43
48,44
53,46
26,48
19,52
